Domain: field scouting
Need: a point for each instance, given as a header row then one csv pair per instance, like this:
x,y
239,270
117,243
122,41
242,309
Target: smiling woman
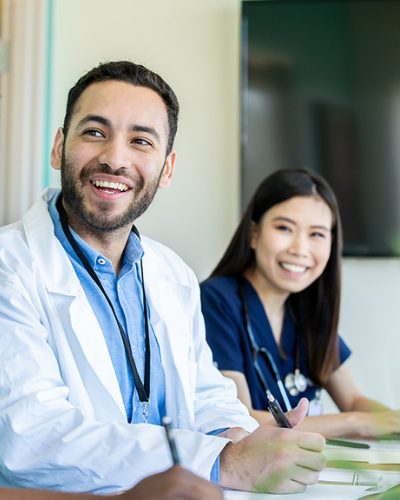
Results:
x,y
271,308
292,245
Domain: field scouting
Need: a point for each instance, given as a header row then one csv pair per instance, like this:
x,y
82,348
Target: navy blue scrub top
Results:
x,y
227,336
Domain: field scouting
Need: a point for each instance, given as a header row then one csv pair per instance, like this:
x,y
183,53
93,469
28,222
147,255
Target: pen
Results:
x,y
277,413
166,421
281,420
347,444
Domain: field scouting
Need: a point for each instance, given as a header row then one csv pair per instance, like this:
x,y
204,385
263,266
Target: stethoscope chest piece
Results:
x,y
295,382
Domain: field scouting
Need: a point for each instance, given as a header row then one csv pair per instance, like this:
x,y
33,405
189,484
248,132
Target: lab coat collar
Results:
x,y
54,264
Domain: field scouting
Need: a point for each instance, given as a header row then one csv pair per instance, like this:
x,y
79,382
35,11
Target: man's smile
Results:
x,y
110,187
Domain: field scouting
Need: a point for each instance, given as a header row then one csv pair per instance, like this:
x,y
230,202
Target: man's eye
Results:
x,y
93,133
142,142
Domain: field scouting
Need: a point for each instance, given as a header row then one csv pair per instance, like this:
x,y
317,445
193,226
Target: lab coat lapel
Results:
x,y
168,305
63,284
91,339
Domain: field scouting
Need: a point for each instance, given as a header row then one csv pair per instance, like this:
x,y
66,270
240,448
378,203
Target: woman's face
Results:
x,y
292,244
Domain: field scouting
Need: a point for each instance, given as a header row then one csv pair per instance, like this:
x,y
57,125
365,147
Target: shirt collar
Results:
x,y
133,250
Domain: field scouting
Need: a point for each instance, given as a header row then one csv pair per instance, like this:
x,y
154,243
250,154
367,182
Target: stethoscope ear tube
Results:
x,y
295,383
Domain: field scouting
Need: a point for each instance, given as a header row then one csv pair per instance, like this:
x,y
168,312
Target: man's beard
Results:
x,y
101,220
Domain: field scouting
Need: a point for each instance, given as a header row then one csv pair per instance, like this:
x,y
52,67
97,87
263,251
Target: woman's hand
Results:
x,y
378,423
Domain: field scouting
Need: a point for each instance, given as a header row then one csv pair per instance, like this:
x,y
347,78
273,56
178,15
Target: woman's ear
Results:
x,y
254,230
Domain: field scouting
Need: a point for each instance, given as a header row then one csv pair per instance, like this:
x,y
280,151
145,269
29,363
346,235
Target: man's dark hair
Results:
x,y
129,72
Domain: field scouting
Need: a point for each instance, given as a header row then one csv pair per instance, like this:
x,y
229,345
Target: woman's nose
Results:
x,y
299,245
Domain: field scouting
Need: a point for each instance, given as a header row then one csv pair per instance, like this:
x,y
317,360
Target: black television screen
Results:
x,y
321,91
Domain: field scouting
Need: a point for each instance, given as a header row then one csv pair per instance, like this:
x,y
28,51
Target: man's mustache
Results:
x,y
103,168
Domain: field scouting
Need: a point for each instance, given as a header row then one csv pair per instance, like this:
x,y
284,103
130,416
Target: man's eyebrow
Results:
x,y
107,123
145,128
94,118
316,226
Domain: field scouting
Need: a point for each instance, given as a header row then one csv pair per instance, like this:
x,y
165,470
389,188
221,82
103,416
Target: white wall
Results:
x,y
370,324
194,45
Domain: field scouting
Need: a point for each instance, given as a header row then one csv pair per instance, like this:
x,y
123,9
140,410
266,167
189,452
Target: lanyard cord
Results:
x,y
143,391
255,348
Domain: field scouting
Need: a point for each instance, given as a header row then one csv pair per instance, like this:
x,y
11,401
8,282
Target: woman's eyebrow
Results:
x,y
321,227
287,219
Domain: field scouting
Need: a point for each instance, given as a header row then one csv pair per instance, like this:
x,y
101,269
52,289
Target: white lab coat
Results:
x,y
62,420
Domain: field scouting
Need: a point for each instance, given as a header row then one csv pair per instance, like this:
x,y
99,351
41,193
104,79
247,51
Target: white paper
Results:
x,y
316,492
330,491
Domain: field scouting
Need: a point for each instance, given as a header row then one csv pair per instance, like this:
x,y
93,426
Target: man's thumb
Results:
x,y
296,416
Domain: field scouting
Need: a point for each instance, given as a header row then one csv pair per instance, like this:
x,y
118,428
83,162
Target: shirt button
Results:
x,y
101,261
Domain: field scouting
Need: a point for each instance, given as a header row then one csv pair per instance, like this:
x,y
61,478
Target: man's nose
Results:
x,y
115,154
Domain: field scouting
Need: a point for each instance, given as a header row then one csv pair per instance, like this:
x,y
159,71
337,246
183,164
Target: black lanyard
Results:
x,y
143,391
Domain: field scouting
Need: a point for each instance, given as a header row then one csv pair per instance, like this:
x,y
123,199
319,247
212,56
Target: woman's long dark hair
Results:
x,y
316,309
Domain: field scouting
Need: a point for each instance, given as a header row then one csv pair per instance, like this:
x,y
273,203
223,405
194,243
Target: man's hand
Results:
x,y
176,483
274,460
235,434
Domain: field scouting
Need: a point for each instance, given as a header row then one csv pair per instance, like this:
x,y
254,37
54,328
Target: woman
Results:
x,y
271,308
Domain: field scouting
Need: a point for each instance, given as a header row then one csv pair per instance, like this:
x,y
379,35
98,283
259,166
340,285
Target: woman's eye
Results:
x,y
284,228
318,235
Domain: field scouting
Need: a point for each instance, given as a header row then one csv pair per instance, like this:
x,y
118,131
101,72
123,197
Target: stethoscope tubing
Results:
x,y
257,349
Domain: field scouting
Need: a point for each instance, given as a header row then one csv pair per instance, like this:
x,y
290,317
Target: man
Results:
x,y
101,331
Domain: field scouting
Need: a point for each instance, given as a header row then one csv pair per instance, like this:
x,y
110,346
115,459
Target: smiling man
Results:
x,y
101,330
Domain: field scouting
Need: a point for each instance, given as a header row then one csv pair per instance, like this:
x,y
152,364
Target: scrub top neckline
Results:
x,y
263,331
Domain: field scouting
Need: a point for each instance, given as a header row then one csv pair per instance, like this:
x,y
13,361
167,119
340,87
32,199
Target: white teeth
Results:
x,y
293,268
113,185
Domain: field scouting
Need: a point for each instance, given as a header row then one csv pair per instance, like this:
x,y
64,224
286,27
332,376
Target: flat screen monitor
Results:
x,y
320,85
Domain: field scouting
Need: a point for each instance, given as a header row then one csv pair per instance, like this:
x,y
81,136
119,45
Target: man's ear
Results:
x,y
56,152
166,176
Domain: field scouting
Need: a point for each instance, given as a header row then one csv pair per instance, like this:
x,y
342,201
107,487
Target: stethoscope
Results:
x,y
295,383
